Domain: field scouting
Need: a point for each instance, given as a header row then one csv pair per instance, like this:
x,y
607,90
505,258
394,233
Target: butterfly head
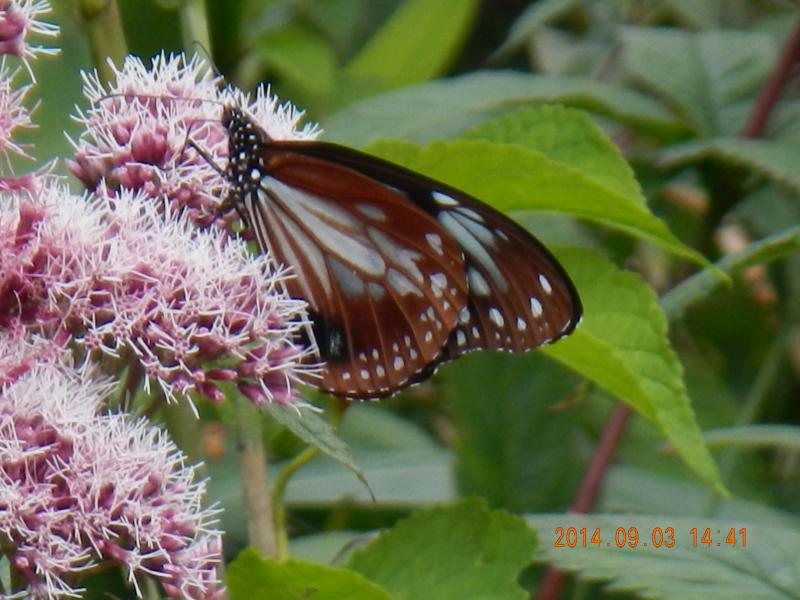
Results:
x,y
245,140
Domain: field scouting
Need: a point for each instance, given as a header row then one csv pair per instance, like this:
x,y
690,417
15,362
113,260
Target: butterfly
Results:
x,y
400,272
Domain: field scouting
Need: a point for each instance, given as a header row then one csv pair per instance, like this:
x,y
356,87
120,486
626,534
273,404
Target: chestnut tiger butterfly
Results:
x,y
400,272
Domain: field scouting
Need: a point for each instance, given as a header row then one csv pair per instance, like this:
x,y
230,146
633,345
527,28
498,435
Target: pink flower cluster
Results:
x,y
138,131
126,278
18,19
121,278
80,489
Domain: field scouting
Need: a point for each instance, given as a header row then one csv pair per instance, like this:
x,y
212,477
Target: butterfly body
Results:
x,y
400,272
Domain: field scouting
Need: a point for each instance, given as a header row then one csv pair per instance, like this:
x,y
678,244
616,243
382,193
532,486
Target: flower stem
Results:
x,y
106,36
253,465
194,27
183,425
278,503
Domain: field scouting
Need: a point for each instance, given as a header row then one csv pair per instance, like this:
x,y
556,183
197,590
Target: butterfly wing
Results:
x,y
401,272
384,282
519,295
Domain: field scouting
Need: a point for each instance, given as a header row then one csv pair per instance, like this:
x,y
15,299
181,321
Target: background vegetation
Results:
x,y
642,141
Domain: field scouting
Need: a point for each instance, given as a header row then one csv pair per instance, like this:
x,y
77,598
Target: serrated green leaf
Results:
x,y
314,431
702,284
530,21
418,43
776,160
513,178
567,136
443,109
301,56
508,433
253,576
450,553
622,346
786,437
719,74
766,569
642,491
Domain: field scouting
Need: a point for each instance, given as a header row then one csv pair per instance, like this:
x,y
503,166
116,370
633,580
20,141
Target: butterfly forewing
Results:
x,y
384,282
519,296
400,272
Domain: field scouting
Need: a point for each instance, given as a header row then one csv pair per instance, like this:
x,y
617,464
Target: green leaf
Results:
x,y
776,160
698,15
328,547
567,136
709,78
444,108
418,43
786,437
450,553
632,490
313,430
509,435
321,482
702,284
302,56
510,177
253,576
533,18
375,427
766,569
622,346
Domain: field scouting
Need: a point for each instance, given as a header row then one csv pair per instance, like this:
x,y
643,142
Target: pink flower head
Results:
x,y
82,490
138,128
13,113
127,277
18,19
141,130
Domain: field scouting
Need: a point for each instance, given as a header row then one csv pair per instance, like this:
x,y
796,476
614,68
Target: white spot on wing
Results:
x,y
435,242
521,324
464,316
468,212
496,317
477,283
364,374
545,283
380,371
443,199
398,363
536,307
371,212
401,284
438,283
461,339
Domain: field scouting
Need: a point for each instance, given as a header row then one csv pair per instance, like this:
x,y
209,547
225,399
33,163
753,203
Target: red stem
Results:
x,y
553,580
772,90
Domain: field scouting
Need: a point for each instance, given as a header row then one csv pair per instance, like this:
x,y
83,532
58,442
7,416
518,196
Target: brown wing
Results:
x,y
519,296
384,281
